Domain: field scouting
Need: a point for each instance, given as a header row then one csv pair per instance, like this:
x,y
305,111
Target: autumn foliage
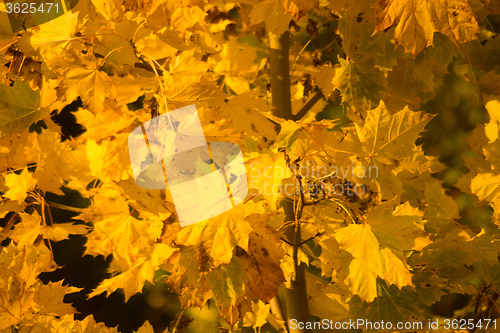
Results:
x,y
364,219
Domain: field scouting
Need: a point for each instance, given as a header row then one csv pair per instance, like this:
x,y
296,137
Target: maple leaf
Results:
x,y
117,232
88,82
184,18
391,306
237,60
19,268
265,176
255,124
272,12
51,38
48,299
111,10
227,282
258,316
146,328
185,277
328,301
492,130
56,162
486,186
387,136
219,235
359,84
20,107
132,281
378,247
416,21
441,210
400,229
61,231
262,268
19,185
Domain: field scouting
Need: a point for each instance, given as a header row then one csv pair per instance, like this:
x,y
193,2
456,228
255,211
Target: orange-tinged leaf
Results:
x,y
61,231
272,12
416,21
49,299
261,264
26,232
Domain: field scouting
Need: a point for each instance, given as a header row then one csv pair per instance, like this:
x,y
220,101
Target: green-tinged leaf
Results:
x,y
491,274
227,282
19,107
359,84
398,229
441,209
391,305
387,136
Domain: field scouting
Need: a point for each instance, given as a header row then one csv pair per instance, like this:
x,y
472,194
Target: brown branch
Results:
x,y
308,106
280,75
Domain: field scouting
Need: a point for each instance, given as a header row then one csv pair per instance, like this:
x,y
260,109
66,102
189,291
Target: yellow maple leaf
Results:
x,y
48,299
219,235
486,186
328,301
26,232
116,232
416,21
19,269
387,136
132,281
258,316
237,64
19,185
184,18
61,231
272,12
265,175
89,83
51,38
377,247
57,161
492,105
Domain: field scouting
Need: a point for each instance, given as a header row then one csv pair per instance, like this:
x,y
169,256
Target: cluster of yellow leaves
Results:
x,y
400,252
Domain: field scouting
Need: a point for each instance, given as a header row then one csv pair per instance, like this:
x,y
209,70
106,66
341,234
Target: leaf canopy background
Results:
x,y
407,87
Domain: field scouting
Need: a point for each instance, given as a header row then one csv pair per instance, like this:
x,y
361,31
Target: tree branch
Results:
x,y
308,106
280,75
295,291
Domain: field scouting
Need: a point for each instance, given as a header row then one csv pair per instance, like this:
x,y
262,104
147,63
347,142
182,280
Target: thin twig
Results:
x,y
308,106
178,320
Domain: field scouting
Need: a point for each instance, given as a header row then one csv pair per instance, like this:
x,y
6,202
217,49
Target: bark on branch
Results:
x,y
295,291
